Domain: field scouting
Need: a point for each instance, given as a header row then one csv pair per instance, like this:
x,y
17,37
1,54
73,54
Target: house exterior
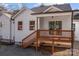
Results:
x,y
44,18
27,21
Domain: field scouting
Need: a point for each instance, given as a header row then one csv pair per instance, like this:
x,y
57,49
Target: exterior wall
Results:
x,y
76,30
66,22
25,17
52,9
5,30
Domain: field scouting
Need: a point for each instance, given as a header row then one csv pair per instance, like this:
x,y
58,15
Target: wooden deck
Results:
x,y
42,37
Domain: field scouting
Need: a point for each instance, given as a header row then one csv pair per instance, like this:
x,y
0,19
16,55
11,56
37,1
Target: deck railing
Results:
x,y
49,35
63,36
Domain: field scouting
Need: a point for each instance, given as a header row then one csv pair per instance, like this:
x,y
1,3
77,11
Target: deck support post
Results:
x,y
37,37
52,46
72,35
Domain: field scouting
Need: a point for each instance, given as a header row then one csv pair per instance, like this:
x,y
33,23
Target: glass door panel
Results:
x,y
55,25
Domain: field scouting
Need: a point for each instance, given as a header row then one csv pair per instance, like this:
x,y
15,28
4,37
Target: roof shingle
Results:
x,y
64,7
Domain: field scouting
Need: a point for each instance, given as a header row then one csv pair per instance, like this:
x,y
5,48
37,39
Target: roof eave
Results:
x,y
54,12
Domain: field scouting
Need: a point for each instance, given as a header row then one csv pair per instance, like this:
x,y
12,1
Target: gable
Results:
x,y
23,15
52,9
28,11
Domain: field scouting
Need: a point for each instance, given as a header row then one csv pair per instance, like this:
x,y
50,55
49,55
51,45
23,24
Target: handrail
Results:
x,y
47,30
39,32
57,30
29,35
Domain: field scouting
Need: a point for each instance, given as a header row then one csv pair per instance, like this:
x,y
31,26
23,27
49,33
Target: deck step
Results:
x,y
56,44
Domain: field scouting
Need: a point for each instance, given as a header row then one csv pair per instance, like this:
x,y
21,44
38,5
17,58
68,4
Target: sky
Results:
x,y
14,6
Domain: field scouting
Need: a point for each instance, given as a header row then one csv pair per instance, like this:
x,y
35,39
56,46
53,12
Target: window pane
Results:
x,y
55,25
58,24
32,22
59,27
32,25
51,27
20,25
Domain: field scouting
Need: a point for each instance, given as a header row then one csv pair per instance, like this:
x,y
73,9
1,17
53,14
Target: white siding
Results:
x,y
25,17
66,22
76,22
5,30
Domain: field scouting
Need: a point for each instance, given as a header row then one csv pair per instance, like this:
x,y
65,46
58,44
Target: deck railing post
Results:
x,y
72,44
72,35
52,46
37,37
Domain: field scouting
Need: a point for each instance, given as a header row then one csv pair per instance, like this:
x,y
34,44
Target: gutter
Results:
x,y
55,12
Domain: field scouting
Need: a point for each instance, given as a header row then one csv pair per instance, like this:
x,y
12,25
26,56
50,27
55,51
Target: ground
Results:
x,y
15,50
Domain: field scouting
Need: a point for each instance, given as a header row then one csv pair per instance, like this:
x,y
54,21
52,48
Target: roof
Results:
x,y
64,7
39,9
7,14
55,12
19,12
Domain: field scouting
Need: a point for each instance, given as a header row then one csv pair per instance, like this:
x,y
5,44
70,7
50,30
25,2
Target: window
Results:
x,y
55,25
51,27
20,25
32,25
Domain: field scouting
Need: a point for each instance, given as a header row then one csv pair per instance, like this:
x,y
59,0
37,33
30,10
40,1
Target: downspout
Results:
x,y
14,30
10,29
11,21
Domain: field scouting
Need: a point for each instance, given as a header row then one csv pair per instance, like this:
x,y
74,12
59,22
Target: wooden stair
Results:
x,y
27,41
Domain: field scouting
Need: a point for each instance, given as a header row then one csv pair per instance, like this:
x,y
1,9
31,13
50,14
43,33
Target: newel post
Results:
x,y
72,35
37,35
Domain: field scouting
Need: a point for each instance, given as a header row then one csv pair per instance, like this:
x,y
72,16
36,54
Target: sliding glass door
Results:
x,y
55,25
